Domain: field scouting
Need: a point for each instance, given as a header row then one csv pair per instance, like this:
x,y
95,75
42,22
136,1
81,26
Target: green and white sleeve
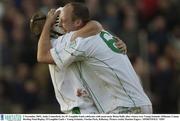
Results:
x,y
64,56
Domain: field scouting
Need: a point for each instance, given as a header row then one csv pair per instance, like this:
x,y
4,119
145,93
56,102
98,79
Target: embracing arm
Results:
x,y
93,28
90,29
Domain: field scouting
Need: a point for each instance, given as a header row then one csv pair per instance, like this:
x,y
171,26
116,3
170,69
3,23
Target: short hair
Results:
x,y
80,11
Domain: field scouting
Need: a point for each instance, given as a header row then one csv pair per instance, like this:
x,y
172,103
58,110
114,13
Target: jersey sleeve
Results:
x,y
63,56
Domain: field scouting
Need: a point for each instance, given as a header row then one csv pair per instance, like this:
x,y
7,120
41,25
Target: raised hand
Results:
x,y
52,16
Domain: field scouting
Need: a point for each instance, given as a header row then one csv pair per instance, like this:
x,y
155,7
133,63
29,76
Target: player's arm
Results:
x,y
44,45
73,52
90,29
93,28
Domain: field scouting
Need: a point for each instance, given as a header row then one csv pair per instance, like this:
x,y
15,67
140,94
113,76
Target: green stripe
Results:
x,y
91,92
58,55
118,79
85,85
76,110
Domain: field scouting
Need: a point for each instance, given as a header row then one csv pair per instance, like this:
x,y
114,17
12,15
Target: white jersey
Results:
x,y
66,82
106,73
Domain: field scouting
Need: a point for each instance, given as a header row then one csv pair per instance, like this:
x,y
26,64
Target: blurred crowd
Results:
x,y
150,29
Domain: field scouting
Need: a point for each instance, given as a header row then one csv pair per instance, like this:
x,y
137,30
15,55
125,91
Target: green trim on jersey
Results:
x,y
110,41
76,110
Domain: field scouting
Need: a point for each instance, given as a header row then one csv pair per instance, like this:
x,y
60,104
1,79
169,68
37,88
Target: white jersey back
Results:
x,y
106,73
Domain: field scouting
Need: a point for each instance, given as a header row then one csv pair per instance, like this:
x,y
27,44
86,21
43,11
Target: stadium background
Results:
x,y
150,29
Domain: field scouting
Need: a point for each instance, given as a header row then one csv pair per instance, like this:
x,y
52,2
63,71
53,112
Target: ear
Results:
x,y
78,23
